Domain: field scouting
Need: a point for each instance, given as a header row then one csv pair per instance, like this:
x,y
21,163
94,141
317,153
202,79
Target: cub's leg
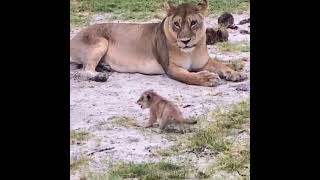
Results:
x,y
152,119
162,124
224,71
202,78
89,55
182,127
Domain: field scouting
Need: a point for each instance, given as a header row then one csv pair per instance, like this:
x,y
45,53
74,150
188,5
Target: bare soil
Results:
x,y
93,105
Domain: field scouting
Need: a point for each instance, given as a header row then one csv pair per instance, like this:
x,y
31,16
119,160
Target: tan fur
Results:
x,y
161,110
154,48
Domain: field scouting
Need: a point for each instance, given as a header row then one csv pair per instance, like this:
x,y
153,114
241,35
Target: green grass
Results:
x,y
165,152
214,135
233,47
217,131
79,163
146,171
80,10
79,136
236,160
233,157
216,7
124,121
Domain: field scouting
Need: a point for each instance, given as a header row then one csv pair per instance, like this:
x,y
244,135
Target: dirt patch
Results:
x,y
93,106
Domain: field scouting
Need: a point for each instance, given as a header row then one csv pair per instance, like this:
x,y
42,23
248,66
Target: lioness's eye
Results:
x,y
193,23
176,24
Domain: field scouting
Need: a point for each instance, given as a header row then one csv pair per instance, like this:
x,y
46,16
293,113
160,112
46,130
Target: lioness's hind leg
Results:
x,y
93,57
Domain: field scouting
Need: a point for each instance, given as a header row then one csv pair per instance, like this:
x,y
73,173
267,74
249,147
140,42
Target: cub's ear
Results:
x,y
169,7
149,90
203,7
148,97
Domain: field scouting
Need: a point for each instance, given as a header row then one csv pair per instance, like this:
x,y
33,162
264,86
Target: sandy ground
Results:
x,y
93,104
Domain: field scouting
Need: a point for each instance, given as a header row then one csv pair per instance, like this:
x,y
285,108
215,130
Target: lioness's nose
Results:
x,y
186,40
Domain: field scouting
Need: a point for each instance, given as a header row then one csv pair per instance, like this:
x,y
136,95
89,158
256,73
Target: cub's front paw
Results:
x,y
206,78
148,125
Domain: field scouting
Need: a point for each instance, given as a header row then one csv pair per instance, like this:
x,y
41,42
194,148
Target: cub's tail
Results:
x,y
188,121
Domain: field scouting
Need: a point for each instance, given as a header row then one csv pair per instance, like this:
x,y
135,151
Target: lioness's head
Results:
x,y
186,24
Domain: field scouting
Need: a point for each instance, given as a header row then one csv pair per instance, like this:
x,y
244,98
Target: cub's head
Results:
x,y
186,24
145,99
226,20
214,36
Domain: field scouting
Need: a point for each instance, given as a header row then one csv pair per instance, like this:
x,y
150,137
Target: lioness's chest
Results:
x,y
191,61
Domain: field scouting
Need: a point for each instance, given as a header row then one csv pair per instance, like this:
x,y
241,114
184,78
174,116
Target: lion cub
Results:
x,y
227,20
162,110
214,36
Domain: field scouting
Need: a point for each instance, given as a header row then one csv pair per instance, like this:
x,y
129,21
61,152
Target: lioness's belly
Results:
x,y
132,60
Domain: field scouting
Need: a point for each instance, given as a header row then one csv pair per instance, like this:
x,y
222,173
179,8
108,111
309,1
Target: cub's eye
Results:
x,y
176,24
193,23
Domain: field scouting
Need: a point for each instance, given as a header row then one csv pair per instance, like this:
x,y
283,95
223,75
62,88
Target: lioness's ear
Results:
x,y
203,7
169,7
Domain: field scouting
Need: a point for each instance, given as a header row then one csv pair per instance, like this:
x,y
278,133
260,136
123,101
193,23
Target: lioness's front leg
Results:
x,y
223,71
202,78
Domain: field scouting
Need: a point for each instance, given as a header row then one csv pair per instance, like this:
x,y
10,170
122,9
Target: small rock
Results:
x,y
244,21
243,87
147,148
133,139
244,32
245,59
188,105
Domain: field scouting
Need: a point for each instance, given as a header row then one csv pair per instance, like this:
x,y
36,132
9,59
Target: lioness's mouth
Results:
x,y
187,47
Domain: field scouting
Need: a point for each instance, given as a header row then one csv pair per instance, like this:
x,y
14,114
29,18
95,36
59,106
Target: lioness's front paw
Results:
x,y
207,78
236,76
103,67
101,77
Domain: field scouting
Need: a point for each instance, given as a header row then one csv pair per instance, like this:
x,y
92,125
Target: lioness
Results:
x,y
176,47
